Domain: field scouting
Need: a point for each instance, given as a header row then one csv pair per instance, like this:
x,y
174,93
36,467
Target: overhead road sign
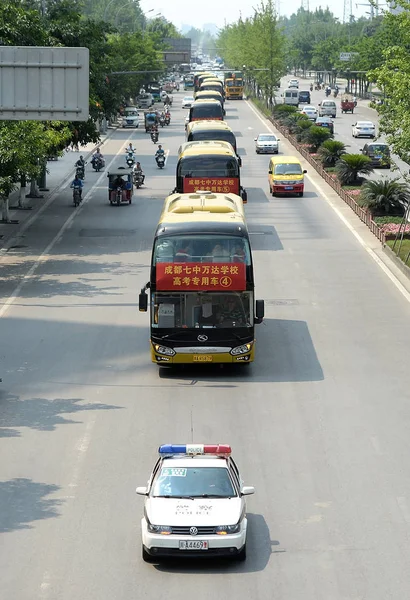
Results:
x,y
346,56
44,83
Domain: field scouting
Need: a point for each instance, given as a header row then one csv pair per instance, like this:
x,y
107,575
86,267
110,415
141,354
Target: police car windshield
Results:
x,y
193,482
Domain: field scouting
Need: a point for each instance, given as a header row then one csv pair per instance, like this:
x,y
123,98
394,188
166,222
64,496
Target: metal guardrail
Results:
x,y
363,215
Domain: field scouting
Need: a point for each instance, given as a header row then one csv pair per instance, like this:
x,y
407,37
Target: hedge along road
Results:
x,y
318,424
343,126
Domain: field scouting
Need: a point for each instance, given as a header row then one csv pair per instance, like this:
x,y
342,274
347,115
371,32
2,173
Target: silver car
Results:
x,y
267,143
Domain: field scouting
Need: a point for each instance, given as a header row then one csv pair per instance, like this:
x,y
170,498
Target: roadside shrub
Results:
x,y
315,136
349,166
386,220
282,111
385,197
330,152
303,125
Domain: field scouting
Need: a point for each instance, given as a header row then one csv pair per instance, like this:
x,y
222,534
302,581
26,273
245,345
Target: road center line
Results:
x,y
362,242
44,256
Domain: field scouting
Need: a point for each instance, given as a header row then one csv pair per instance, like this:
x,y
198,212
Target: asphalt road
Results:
x,y
319,424
343,127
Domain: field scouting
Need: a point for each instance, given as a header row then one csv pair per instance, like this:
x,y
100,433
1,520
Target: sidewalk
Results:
x,y
60,171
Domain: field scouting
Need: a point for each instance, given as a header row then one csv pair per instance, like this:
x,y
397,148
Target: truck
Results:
x,y
234,84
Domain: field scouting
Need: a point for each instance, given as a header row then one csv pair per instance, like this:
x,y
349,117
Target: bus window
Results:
x,y
208,166
202,310
202,249
206,111
213,134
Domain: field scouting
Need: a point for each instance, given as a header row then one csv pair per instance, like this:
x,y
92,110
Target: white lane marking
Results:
x,y
166,156
81,449
362,242
45,585
45,254
402,504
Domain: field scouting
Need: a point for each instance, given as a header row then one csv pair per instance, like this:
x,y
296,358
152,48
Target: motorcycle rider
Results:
x,y
159,152
98,156
311,87
77,182
139,172
129,149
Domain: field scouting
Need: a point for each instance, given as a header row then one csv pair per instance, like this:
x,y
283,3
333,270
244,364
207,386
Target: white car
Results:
x,y
267,142
310,112
194,504
364,129
293,83
187,101
130,117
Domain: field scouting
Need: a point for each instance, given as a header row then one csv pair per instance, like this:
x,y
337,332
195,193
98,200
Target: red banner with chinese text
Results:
x,y
201,276
220,185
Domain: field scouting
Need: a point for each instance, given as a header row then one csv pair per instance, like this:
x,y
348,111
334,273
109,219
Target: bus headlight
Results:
x,y
164,350
241,349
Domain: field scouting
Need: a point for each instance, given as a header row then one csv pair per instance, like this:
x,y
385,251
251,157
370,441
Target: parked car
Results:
x,y
327,108
378,153
364,129
304,96
310,112
267,142
325,122
187,101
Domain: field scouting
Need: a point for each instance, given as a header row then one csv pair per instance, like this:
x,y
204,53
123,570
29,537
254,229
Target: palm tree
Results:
x,y
302,126
349,166
330,152
385,197
315,136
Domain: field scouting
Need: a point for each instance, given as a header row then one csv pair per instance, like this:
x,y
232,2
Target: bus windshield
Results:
x,y
205,165
234,82
202,310
206,111
212,134
202,248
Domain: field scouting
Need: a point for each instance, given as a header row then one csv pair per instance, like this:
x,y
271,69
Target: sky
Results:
x,y
211,11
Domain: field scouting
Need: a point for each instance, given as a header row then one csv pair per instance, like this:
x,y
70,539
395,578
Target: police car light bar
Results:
x,y
192,449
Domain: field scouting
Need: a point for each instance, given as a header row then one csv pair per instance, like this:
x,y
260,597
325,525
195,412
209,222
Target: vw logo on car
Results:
x,y
202,338
193,530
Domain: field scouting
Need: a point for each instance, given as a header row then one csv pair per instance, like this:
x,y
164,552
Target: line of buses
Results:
x,y
201,289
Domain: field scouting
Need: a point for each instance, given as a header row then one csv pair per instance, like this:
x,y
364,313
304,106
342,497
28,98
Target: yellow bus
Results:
x,y
199,131
210,95
212,167
201,288
202,110
200,77
215,85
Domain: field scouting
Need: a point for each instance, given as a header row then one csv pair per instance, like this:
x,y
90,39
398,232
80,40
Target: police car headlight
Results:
x,y
161,529
164,350
228,529
241,349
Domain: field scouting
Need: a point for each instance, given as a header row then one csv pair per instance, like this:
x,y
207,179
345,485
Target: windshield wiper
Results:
x,y
213,496
177,497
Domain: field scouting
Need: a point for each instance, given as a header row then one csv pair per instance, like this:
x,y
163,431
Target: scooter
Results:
x,y
167,119
311,87
97,163
160,161
76,195
335,93
130,160
154,136
138,179
162,121
79,171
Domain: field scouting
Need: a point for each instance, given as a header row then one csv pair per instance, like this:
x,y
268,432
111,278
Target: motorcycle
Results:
x,y
311,87
138,179
130,160
79,171
327,92
162,120
76,195
335,93
167,119
97,163
160,161
154,136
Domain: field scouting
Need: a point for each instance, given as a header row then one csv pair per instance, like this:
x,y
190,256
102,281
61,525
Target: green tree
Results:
x,y
330,152
349,166
385,197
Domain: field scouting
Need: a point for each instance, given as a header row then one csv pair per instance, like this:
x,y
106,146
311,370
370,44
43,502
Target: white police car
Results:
x,y
195,504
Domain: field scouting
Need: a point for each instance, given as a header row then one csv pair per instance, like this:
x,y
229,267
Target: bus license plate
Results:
x,y
202,358
288,187
193,545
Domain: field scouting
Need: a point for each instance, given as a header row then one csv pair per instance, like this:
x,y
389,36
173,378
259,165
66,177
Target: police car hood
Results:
x,y
199,511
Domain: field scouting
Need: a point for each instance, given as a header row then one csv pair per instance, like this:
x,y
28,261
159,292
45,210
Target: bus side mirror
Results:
x,y
259,311
270,171
244,196
143,301
305,171
239,161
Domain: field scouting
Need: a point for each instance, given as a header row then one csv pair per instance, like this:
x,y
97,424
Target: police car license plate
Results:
x,y
202,358
193,545
288,187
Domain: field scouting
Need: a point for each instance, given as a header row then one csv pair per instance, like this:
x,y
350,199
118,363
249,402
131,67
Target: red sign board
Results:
x,y
221,185
189,276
